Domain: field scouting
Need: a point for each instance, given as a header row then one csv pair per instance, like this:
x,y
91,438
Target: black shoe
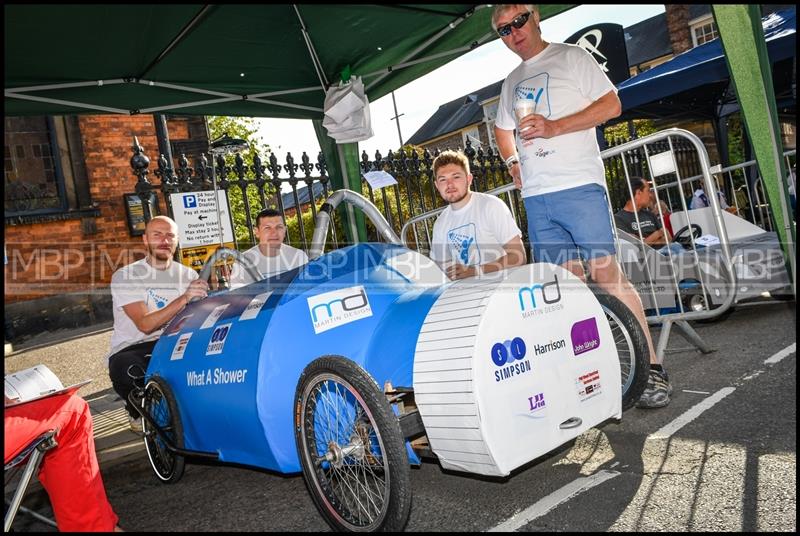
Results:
x,y
657,392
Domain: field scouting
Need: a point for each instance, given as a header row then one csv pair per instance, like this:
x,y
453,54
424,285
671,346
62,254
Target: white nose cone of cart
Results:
x,y
510,367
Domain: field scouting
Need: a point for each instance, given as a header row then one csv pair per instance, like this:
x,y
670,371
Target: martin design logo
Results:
x,y
339,307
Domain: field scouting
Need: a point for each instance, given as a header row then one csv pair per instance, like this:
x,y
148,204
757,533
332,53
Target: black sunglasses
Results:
x,y
518,22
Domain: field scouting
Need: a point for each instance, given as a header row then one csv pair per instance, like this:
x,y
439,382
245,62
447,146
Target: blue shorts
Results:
x,y
568,224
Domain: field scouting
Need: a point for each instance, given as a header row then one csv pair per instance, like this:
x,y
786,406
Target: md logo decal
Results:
x,y
585,336
334,309
509,355
218,338
540,299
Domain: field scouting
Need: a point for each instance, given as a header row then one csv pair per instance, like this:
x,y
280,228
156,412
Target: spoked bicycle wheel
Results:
x,y
159,403
351,448
634,355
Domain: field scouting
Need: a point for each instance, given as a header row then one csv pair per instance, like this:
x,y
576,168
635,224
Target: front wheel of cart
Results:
x,y
351,448
632,349
159,403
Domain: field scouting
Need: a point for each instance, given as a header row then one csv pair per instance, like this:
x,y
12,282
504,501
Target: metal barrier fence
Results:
x,y
661,277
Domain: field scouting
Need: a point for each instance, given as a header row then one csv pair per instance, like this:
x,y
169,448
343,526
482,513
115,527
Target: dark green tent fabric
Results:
x,y
742,37
237,60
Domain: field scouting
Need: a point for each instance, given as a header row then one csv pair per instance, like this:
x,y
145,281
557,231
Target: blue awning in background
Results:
x,y
699,67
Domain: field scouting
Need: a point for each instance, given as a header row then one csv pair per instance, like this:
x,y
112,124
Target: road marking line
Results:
x,y
789,350
691,414
696,392
546,504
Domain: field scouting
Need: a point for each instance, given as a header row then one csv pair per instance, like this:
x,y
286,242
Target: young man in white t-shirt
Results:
x,y
271,256
146,295
476,233
553,101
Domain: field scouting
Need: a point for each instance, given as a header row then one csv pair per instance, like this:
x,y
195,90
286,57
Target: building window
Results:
x,y
473,135
489,116
34,182
703,31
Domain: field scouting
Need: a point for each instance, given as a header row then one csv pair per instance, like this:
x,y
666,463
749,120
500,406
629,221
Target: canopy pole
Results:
x,y
314,58
451,26
742,35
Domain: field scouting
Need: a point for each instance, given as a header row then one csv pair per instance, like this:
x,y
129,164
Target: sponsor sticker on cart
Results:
x,y
214,316
540,299
585,336
536,405
180,347
255,305
333,309
588,385
174,330
218,338
509,358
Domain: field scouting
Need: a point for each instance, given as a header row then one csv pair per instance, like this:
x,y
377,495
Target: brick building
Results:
x,y
66,215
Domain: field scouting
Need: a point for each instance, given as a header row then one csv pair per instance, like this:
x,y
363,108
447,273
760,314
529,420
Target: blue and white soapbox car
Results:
x,y
356,364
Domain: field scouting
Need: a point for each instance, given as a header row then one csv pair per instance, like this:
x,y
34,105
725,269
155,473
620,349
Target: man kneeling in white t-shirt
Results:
x,y
476,233
271,256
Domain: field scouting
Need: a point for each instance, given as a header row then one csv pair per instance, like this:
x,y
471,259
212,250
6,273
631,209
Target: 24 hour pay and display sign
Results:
x,y
196,216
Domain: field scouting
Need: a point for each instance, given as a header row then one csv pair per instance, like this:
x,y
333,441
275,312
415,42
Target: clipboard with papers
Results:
x,y
35,383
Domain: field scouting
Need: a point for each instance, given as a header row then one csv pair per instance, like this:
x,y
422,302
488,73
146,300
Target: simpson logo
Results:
x,y
218,338
255,305
588,385
339,307
180,347
510,357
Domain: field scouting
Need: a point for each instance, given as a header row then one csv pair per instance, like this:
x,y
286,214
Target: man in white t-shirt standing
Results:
x,y
476,233
271,256
146,295
554,100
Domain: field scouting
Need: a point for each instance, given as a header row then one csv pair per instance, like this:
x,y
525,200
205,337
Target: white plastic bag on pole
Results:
x,y
346,110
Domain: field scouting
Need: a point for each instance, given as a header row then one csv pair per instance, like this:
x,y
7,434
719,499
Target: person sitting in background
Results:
x,y
271,256
69,473
635,217
700,200
659,210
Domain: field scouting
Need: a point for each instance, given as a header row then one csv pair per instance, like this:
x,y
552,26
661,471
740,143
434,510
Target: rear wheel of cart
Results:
x,y
634,355
159,404
351,448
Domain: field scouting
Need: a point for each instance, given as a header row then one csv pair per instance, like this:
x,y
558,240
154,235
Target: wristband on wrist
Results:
x,y
511,160
478,270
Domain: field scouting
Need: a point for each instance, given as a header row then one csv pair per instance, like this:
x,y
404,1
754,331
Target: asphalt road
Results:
x,y
720,457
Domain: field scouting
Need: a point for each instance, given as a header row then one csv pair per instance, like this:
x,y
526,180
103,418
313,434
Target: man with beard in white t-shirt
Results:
x,y
545,130
476,233
271,256
146,295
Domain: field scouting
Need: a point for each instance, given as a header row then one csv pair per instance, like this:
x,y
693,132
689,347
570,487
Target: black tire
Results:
x,y
331,384
159,403
629,338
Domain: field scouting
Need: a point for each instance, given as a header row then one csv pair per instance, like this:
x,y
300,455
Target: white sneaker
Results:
x,y
136,424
